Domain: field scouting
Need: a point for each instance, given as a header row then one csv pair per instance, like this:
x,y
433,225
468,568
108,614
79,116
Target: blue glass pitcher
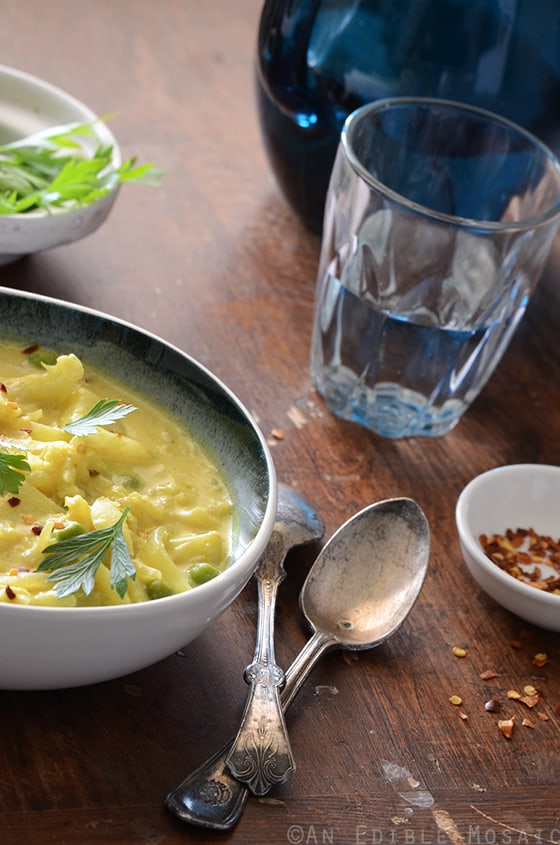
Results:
x,y
318,60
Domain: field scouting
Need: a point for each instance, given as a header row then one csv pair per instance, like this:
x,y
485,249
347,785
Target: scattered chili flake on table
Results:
x,y
506,726
488,674
529,700
512,693
524,547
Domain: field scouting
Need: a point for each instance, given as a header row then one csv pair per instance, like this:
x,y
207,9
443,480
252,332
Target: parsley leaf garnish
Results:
x,y
52,169
12,472
104,412
73,562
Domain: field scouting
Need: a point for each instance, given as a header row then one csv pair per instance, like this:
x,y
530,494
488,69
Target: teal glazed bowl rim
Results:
x,y
57,647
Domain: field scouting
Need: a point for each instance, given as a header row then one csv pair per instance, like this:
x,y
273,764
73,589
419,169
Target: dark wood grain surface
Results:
x,y
215,262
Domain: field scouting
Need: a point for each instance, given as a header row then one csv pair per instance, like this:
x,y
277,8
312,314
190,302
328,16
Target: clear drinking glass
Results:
x,y
439,219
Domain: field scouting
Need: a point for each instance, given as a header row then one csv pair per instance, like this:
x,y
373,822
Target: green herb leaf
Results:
x,y
52,169
12,472
104,412
122,566
73,562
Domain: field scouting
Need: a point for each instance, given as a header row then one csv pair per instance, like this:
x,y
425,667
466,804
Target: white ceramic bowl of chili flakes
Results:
x,y
519,496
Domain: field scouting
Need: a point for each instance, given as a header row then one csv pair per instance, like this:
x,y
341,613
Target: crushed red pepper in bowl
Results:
x,y
518,568
523,553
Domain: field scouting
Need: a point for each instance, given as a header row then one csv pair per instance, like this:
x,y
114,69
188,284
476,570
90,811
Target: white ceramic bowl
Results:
x,y
516,496
28,105
52,647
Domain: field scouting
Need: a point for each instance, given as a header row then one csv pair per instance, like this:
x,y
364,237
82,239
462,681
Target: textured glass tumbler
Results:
x,y
438,222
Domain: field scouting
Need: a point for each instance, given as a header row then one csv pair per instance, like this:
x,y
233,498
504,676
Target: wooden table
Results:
x,y
215,262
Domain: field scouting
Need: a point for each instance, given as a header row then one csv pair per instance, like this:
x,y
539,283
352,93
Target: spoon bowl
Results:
x,y
366,579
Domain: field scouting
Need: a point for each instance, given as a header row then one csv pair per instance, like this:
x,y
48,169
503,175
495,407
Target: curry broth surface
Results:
x,y
179,527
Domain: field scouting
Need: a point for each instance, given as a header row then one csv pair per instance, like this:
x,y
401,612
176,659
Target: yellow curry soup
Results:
x,y
178,515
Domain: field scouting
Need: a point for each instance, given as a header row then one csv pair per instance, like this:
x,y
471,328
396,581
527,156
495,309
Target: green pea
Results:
x,y
132,483
40,357
158,590
71,530
202,572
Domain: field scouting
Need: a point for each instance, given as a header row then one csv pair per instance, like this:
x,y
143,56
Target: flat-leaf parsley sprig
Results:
x,y
104,412
52,169
12,472
72,562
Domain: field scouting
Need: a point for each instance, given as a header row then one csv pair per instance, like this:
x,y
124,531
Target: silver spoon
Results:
x,y
359,591
260,754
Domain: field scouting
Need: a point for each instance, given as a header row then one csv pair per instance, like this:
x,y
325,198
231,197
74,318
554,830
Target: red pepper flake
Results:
x,y
3,388
14,501
37,529
506,726
25,430
487,675
30,349
529,700
10,593
524,547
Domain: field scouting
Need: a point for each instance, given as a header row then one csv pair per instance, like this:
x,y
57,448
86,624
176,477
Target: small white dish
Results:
x,y
515,496
29,105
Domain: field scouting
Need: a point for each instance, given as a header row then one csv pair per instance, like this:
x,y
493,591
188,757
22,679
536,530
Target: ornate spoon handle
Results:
x,y
210,797
261,755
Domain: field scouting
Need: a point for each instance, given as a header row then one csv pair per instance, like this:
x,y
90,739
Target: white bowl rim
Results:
x,y
472,544
102,130
227,576
39,82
